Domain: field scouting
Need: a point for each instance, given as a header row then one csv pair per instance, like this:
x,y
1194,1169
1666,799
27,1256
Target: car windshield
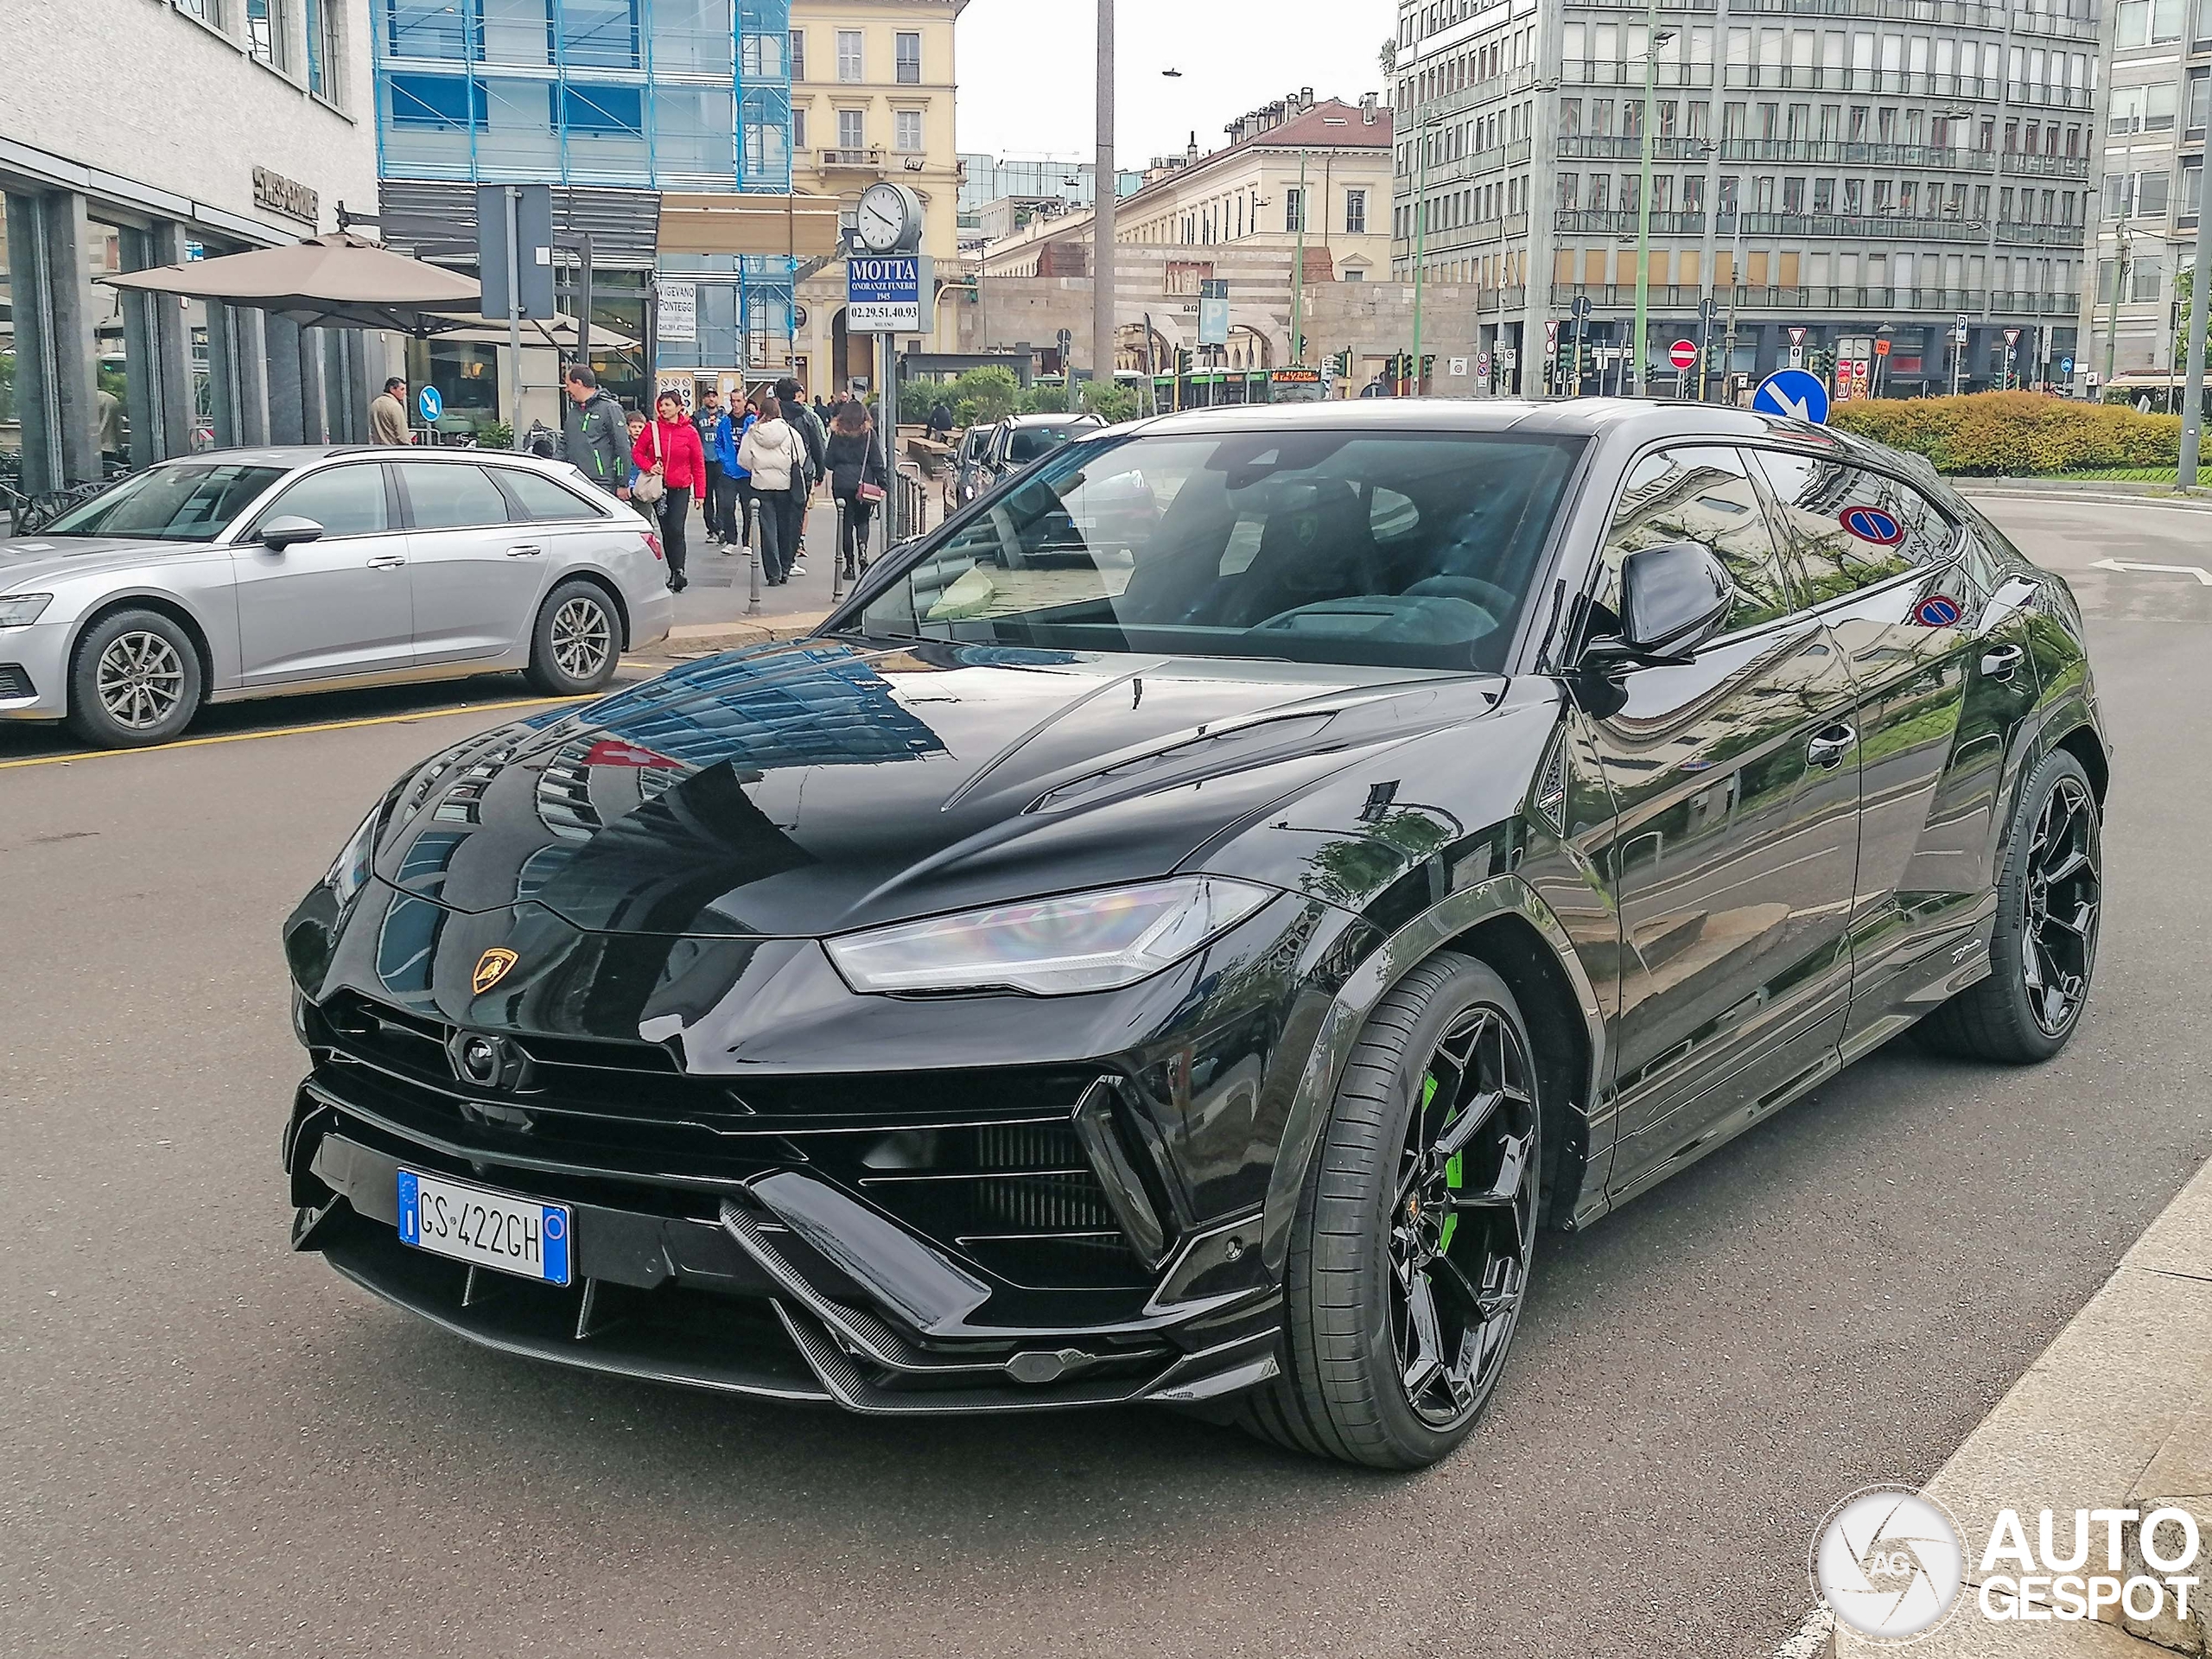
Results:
x,y
1027,442
1406,548
194,501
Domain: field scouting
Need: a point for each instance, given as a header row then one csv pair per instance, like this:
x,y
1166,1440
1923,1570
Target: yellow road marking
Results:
x,y
295,731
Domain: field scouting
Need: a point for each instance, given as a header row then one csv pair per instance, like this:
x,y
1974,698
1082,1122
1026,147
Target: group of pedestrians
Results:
x,y
752,464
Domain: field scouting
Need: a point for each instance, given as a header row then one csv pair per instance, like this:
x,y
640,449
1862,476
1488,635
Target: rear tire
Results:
x,y
577,641
2043,951
135,680
1410,1252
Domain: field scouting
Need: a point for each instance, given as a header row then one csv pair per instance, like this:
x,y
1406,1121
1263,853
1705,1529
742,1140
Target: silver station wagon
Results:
x,y
257,573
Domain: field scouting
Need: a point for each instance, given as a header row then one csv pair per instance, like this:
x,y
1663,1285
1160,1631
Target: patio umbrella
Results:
x,y
338,281
558,330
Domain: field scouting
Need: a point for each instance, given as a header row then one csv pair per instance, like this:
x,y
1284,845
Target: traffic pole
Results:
x,y
2192,411
1103,350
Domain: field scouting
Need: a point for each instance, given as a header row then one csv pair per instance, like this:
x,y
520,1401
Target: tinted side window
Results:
x,y
344,500
541,499
450,495
1701,494
1849,528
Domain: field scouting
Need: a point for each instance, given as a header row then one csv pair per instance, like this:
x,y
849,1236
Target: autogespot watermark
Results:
x,y
1891,1564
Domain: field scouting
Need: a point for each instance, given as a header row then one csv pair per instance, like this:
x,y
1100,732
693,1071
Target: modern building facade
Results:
x,y
871,99
985,179
218,126
1828,174
2158,65
614,103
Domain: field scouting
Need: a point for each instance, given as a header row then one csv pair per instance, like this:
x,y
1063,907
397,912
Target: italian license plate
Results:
x,y
484,1227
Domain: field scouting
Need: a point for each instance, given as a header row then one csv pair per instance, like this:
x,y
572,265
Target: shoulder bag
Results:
x,y
654,486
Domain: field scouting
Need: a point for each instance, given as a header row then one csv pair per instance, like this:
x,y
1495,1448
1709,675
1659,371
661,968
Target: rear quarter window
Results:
x,y
1850,527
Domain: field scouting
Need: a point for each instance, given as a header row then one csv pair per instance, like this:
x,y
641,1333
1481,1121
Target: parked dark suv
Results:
x,y
1180,931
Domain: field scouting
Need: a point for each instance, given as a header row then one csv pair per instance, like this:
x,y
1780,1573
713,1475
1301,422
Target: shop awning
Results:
x,y
558,330
799,224
338,281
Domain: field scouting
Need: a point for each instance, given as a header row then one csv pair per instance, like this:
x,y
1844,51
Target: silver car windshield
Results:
x,y
1404,549
193,501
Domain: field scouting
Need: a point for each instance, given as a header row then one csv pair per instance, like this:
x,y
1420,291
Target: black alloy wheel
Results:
x,y
577,642
2044,952
136,679
1410,1255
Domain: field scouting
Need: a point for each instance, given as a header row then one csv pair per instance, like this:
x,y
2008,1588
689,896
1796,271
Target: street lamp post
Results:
x,y
1420,238
1653,41
1298,273
1102,203
2111,311
2192,409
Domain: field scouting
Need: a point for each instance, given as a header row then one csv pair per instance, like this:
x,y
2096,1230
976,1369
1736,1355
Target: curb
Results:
x,y
2112,494
2116,1412
704,638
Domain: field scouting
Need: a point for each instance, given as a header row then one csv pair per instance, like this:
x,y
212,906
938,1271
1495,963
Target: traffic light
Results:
x,y
1427,366
1182,360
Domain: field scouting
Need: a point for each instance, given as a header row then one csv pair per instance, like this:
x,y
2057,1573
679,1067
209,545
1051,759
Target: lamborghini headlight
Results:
x,y
351,868
1049,947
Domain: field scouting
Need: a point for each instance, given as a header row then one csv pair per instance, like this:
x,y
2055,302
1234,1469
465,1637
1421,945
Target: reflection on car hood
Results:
x,y
802,789
26,561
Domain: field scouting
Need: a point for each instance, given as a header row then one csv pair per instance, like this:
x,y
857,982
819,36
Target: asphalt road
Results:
x,y
210,1446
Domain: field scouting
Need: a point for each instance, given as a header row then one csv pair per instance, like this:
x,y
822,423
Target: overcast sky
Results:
x,y
1026,68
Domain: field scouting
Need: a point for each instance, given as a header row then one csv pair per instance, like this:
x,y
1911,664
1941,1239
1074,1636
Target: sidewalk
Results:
x,y
2116,1414
2118,491
711,613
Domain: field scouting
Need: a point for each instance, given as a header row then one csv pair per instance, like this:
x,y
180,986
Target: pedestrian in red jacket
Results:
x,y
669,446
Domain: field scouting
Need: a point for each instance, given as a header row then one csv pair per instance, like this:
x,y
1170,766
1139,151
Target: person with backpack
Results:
x,y
857,479
791,397
591,433
738,503
708,417
775,455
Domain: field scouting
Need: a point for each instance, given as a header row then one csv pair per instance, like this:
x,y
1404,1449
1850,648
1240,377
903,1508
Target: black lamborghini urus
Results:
x,y
1184,928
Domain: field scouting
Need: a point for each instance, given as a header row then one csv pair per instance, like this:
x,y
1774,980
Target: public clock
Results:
x,y
890,219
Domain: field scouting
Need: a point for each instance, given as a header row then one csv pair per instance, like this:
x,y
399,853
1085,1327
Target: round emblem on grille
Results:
x,y
477,1059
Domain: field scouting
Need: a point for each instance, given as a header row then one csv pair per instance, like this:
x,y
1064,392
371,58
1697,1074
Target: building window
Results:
x,y
427,29
906,128
849,64
1294,209
608,111
264,30
852,129
597,33
1356,212
442,102
909,58
798,129
798,54
324,34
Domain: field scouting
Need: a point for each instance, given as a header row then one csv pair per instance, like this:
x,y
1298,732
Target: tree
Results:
x,y
982,395
2184,292
1388,58
1110,403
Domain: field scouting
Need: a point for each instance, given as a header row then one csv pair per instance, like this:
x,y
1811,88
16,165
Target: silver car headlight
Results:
x,y
21,610
1049,947
350,872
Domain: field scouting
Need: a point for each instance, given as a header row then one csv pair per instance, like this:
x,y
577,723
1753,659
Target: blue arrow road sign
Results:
x,y
431,404
1792,392
2066,366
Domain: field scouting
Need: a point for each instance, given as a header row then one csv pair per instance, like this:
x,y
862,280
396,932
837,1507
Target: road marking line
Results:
x,y
2202,576
293,731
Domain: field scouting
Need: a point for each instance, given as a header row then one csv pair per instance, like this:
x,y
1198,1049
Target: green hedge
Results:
x,y
2016,433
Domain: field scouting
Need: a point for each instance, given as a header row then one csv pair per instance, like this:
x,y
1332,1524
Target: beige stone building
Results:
x,y
872,97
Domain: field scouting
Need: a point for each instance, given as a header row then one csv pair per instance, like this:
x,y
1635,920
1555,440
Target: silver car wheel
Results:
x,y
140,680
581,637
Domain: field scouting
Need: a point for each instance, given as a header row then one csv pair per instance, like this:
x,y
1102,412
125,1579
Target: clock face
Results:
x,y
882,218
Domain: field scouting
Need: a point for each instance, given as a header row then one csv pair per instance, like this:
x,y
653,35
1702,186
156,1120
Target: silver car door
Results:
x,y
570,530
338,606
475,571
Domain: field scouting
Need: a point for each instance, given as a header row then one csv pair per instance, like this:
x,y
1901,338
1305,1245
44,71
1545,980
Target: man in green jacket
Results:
x,y
595,434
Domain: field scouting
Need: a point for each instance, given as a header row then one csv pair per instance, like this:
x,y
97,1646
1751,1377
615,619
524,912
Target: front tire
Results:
x,y
2043,951
577,641
1410,1253
135,680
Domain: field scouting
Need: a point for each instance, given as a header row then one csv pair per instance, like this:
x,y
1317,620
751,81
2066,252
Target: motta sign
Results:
x,y
287,196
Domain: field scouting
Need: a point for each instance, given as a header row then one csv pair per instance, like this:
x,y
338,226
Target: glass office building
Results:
x,y
614,102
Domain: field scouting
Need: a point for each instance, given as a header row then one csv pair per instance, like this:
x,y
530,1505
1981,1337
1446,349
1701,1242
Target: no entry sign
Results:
x,y
1682,353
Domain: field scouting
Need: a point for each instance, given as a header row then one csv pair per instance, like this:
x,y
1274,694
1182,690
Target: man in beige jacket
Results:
x,y
388,414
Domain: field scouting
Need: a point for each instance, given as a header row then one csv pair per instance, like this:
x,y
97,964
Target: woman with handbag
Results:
x,y
857,478
776,457
673,468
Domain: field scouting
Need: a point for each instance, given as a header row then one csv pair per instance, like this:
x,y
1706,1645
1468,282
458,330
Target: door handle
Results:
x,y
523,552
387,562
1828,749
2002,662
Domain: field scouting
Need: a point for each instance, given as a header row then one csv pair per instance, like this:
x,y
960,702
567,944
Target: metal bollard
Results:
x,y
752,565
837,559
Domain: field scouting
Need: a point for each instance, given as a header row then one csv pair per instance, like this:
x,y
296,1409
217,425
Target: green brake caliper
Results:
x,y
1452,1170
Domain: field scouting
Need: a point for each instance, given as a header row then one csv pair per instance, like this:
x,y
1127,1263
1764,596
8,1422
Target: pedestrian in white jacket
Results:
x,y
774,455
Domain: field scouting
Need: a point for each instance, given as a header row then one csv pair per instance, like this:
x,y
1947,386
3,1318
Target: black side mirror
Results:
x,y
288,528
1674,597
